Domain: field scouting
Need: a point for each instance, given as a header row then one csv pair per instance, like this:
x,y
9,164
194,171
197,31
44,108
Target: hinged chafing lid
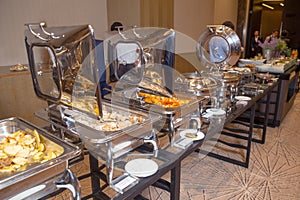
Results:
x,y
60,58
135,49
218,45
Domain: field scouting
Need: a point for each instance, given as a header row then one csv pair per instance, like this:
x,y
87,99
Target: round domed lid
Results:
x,y
219,45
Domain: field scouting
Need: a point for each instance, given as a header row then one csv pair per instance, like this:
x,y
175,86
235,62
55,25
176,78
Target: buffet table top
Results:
x,y
169,157
275,66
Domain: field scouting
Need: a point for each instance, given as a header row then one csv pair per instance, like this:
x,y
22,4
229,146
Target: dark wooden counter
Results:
x,y
18,98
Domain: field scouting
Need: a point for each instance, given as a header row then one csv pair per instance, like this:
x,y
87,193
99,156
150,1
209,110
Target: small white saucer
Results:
x,y
198,134
215,111
141,167
242,98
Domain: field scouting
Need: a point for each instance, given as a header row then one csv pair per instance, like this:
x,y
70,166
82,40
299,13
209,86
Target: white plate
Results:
x,y
242,103
141,167
242,98
199,135
215,111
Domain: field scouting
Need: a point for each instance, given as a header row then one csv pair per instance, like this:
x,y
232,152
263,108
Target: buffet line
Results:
x,y
123,129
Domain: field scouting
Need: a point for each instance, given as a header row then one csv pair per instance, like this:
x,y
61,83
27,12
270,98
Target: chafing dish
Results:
x,y
172,117
65,73
246,74
39,179
152,74
219,47
251,89
62,62
264,78
202,85
229,87
130,129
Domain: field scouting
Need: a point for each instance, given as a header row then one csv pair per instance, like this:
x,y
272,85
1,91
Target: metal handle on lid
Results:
x,y
41,25
120,28
135,33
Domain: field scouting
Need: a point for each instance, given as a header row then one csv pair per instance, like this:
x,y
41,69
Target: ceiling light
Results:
x,y
282,4
267,6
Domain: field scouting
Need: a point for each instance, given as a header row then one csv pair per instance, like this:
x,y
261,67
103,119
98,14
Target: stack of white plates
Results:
x,y
141,167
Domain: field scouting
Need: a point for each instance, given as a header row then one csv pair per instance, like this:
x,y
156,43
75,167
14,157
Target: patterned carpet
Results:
x,y
273,172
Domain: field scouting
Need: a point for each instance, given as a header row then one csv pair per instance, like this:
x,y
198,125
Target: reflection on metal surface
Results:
x,y
55,62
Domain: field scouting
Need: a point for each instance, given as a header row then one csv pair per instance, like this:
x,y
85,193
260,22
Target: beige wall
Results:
x,y
192,16
125,11
225,10
15,13
271,21
191,20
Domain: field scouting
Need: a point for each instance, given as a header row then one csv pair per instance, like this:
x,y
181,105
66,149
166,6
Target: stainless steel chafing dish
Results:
x,y
226,94
219,47
141,60
202,85
39,179
172,118
130,129
65,73
61,59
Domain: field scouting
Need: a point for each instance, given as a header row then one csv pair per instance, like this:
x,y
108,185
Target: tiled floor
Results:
x,y
273,172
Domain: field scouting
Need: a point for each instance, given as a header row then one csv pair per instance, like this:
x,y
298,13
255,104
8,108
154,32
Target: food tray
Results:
x,y
15,182
135,102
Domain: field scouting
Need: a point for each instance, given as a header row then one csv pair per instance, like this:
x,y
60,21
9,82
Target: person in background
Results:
x,y
272,39
255,48
228,24
115,25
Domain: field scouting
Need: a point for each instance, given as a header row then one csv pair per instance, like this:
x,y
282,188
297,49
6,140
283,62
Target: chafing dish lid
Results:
x,y
135,48
56,55
219,45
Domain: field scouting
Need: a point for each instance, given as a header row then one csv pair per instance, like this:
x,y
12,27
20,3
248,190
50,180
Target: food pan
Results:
x,y
12,183
132,98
